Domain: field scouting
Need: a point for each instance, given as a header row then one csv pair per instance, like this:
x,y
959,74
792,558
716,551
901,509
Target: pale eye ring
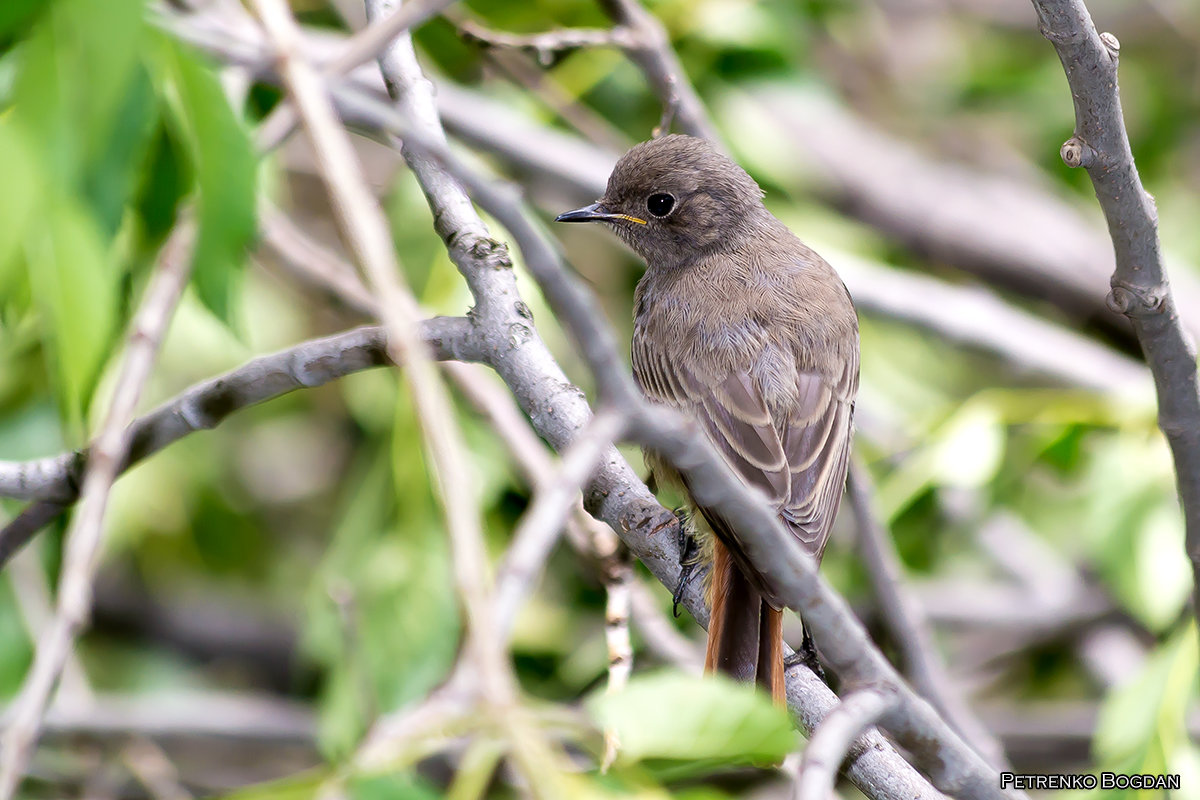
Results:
x,y
660,205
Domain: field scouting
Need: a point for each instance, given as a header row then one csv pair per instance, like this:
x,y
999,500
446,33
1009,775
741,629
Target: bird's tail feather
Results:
x,y
745,635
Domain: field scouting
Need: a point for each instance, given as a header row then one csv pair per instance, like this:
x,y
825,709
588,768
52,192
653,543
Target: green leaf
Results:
x,y
23,194
76,285
1144,718
76,69
113,172
711,720
224,166
398,786
302,786
164,183
15,14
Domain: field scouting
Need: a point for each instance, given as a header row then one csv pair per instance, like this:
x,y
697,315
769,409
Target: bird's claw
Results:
x,y
687,558
807,655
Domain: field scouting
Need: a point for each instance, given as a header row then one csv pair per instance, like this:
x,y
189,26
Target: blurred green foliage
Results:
x,y
314,513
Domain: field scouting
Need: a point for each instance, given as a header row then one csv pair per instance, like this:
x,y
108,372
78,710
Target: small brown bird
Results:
x,y
749,332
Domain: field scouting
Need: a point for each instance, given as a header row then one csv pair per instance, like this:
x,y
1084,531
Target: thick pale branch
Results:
x,y
1140,288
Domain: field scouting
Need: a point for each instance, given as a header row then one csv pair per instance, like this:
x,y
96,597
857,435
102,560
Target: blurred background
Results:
x,y
284,578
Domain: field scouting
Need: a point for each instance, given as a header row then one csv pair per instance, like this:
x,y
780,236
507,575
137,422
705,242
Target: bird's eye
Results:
x,y
660,204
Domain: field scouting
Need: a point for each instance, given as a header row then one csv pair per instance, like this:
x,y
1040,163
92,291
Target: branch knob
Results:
x,y
1111,44
1076,153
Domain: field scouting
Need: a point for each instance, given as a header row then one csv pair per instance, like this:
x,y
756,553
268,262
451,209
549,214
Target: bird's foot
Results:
x,y
807,655
689,550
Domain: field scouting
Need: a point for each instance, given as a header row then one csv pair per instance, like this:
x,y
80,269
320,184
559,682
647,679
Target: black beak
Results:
x,y
593,213
590,213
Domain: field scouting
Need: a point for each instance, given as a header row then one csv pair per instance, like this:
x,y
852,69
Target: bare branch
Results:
x,y
543,522
546,45
205,405
154,770
225,715
907,625
831,741
618,585
1140,289
660,636
651,51
361,48
86,534
312,262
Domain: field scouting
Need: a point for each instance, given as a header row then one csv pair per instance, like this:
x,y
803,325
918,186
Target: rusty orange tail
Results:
x,y
745,635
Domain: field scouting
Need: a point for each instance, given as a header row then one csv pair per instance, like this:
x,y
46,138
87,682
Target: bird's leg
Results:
x,y
689,552
807,655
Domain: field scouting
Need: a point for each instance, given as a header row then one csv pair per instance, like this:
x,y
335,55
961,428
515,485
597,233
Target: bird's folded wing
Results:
x,y
798,460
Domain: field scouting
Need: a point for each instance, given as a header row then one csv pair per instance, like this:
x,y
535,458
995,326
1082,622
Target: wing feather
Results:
x,y
797,455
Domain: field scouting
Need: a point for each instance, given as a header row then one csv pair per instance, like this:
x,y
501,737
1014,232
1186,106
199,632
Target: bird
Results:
x,y
751,334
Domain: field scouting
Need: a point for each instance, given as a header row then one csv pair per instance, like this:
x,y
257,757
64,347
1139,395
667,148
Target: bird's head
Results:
x,y
674,199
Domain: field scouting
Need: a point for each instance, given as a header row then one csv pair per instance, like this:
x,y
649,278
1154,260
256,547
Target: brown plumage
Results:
x,y
749,332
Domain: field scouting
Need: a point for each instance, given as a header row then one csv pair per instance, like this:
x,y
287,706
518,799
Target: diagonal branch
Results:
x,y
653,54
86,535
1140,289
906,622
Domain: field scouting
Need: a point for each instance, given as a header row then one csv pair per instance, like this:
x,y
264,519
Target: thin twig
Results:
x,y
1140,289
311,261
660,636
548,44
831,741
367,231
541,525
908,628
86,534
361,48
653,54
617,610
154,770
